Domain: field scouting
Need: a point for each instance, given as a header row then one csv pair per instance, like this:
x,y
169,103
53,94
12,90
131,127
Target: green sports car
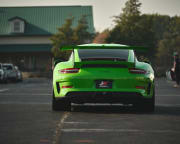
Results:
x,y
103,73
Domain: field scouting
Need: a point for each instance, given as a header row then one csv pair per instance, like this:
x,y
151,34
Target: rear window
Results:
x,y
120,54
8,67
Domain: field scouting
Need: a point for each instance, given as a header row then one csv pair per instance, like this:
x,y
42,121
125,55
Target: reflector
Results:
x,y
137,71
69,70
67,86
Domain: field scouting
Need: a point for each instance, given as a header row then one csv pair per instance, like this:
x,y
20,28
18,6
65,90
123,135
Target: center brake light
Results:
x,y
137,71
69,70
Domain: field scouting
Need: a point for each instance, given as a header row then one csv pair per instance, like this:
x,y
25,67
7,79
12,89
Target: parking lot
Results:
x,y
26,118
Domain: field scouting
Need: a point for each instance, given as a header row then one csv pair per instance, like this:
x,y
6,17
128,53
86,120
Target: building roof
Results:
x,y
16,17
25,48
43,20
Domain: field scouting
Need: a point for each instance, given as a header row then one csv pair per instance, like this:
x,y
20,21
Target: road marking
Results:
x,y
168,105
48,103
76,122
169,95
59,127
26,103
3,90
45,94
99,104
119,130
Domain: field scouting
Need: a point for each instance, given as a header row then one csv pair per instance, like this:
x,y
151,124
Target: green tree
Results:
x,y
166,47
126,24
64,36
81,34
131,10
132,7
169,43
161,33
132,28
67,35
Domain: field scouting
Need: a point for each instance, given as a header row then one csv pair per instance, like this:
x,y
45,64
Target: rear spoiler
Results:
x,y
103,46
106,64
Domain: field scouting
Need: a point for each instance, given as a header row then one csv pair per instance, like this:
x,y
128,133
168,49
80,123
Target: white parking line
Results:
x,y
168,105
119,130
59,126
26,103
3,90
76,122
169,95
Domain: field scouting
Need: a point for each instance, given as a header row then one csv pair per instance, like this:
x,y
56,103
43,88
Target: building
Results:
x,y
25,33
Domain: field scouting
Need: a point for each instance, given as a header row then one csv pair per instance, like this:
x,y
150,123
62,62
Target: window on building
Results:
x,y
17,26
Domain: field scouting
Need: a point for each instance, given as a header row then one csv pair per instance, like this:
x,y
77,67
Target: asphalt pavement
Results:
x,y
26,118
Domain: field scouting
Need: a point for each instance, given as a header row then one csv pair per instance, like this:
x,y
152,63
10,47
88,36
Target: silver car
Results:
x,y
11,71
3,74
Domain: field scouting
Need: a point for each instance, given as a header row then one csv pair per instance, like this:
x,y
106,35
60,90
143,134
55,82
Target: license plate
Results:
x,y
104,84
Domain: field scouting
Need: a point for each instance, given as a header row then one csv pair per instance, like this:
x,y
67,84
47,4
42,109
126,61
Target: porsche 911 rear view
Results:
x,y
103,73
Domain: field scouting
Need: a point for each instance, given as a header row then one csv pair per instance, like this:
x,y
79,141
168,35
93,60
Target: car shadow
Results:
x,y
167,110
125,109
105,109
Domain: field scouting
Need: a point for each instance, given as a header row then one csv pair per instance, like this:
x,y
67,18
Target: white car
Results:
x,y
11,71
19,74
3,74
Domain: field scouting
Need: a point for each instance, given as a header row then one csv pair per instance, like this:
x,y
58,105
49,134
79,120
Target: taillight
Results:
x,y
140,87
69,70
137,71
67,86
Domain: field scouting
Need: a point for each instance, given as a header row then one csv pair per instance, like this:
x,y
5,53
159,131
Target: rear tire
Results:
x,y
147,105
60,104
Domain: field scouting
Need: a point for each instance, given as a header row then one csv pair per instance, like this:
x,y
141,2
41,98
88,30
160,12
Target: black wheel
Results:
x,y
149,105
146,105
60,104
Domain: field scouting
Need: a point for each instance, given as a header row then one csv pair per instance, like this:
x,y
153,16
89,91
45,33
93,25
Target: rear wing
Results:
x,y
103,46
105,64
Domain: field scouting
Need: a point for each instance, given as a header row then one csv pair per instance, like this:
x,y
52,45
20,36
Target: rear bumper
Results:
x,y
104,97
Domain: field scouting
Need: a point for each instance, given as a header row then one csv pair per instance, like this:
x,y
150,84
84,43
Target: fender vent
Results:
x,y
58,87
149,88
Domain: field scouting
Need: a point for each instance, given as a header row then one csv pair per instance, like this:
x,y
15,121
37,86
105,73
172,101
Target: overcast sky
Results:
x,y
104,10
